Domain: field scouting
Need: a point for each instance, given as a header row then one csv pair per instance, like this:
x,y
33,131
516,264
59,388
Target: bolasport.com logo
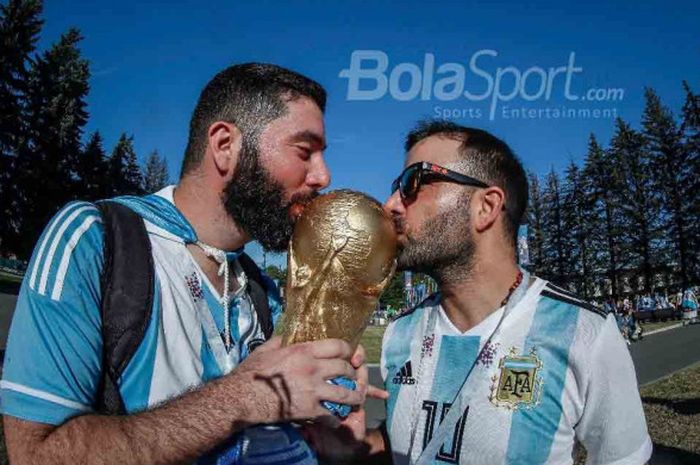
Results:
x,y
481,87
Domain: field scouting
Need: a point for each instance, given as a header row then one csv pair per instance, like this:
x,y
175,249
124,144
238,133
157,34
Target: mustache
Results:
x,y
399,224
298,202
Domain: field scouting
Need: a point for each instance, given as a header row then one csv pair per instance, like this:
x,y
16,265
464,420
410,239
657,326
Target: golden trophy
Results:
x,y
341,257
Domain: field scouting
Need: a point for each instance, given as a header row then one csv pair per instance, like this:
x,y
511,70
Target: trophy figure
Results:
x,y
341,257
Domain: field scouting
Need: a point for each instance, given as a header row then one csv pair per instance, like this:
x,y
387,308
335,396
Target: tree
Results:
x,y
690,129
393,293
579,225
606,225
124,172
92,169
278,274
555,257
639,202
156,173
20,24
670,168
535,220
46,171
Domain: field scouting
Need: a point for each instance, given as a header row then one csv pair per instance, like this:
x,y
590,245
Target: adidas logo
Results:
x,y
405,375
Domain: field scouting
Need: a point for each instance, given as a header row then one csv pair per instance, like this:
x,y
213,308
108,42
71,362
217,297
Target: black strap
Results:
x,y
127,297
258,293
127,284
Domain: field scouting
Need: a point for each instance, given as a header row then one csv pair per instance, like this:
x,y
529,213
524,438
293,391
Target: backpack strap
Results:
x,y
127,297
258,293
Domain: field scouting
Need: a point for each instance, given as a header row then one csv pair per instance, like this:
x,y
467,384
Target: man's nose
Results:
x,y
319,176
394,205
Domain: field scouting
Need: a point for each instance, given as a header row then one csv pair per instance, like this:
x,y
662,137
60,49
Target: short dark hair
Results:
x,y
490,160
249,95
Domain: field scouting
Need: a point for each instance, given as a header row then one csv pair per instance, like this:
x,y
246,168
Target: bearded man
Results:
x,y
192,391
498,367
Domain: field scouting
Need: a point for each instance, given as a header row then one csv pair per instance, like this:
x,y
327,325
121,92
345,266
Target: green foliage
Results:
x,y
630,215
50,148
92,169
20,24
124,170
393,294
156,175
278,274
43,113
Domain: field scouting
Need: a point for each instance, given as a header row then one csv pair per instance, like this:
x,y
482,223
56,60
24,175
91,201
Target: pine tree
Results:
x,y
555,253
124,172
156,173
578,225
535,230
92,170
20,24
132,176
690,129
605,217
669,165
639,203
56,112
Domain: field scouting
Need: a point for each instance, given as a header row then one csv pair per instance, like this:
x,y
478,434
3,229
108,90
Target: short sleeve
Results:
x,y
53,354
612,427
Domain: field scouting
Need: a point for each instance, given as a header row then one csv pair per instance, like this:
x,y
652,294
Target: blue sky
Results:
x,y
150,60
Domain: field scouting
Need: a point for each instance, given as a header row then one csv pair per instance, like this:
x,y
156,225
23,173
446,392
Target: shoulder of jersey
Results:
x,y
430,301
56,246
562,295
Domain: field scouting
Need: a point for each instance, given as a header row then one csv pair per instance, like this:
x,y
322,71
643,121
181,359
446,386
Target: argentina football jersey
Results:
x,y
58,322
555,371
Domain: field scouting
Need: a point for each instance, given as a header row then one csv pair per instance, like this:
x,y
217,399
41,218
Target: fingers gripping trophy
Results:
x,y
341,257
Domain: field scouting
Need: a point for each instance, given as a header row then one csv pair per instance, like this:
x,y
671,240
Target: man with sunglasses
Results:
x,y
499,367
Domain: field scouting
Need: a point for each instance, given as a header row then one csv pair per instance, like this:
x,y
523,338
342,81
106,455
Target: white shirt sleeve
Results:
x,y
612,427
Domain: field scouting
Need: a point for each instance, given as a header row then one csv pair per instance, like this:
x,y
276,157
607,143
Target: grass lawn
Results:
x,y
10,278
372,342
672,407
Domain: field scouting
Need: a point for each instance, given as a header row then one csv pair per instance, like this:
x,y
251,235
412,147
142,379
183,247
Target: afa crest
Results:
x,y
519,383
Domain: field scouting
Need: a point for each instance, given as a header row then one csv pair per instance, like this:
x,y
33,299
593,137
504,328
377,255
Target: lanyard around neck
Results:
x,y
461,398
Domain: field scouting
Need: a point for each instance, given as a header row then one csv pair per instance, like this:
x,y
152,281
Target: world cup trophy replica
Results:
x,y
341,257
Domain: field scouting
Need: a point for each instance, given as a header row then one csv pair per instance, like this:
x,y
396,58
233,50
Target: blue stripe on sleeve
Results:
x,y
55,346
31,408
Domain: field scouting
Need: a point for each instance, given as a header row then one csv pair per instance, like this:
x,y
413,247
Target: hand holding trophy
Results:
x,y
341,257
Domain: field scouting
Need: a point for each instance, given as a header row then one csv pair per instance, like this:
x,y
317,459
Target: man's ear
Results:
x,y
490,203
225,141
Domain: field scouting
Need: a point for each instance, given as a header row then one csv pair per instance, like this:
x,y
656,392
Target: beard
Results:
x,y
256,202
443,246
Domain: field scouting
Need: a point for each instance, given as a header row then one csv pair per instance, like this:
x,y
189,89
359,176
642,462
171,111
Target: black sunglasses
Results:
x,y
409,181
